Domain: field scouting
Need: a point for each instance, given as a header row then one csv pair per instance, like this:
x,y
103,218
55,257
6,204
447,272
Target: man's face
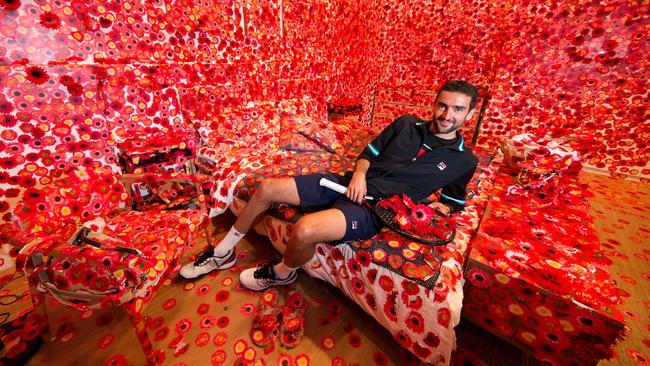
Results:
x,y
450,111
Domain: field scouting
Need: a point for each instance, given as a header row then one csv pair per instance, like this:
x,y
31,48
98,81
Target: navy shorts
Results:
x,y
361,221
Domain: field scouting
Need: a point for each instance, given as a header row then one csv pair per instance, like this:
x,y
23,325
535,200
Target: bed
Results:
x,y
413,291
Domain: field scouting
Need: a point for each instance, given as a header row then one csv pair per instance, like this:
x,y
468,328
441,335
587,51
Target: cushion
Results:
x,y
304,134
344,137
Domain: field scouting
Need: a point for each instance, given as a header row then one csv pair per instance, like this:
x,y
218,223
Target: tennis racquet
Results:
x,y
414,222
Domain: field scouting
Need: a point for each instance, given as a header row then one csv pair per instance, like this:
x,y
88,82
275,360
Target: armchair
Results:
x,y
85,247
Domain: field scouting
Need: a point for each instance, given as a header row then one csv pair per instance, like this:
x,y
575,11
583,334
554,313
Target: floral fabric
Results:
x,y
252,124
304,134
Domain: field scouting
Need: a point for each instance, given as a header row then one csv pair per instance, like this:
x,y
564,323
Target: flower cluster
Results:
x,y
554,247
543,167
418,218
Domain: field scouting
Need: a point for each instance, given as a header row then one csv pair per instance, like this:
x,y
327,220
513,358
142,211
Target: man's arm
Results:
x,y
357,187
453,195
374,148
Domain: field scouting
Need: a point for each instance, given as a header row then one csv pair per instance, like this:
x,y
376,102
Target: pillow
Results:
x,y
344,137
256,123
301,133
352,136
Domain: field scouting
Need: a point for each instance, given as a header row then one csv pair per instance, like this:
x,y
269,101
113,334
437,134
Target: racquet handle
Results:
x,y
337,187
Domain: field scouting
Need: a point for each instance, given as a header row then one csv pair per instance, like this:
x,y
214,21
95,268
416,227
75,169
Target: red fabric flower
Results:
x,y
36,75
10,5
418,218
50,20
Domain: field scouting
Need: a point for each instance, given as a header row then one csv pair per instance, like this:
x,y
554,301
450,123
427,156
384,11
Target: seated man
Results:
x,y
411,156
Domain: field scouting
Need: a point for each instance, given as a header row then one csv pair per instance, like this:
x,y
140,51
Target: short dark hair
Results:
x,y
461,86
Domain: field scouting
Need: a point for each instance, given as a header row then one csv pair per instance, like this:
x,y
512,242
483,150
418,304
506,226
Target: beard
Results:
x,y
446,126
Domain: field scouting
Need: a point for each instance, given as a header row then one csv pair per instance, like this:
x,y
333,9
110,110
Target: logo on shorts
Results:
x,y
442,165
355,224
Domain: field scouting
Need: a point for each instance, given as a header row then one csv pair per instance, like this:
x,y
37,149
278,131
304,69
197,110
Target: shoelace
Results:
x,y
264,273
204,257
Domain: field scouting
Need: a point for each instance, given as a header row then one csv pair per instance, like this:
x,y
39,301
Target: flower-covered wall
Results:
x,y
568,68
423,43
574,69
577,69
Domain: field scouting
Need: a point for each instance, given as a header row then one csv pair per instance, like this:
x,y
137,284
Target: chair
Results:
x,y
150,131
86,247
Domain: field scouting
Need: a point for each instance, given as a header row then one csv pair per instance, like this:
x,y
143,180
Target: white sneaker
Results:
x,y
263,277
208,262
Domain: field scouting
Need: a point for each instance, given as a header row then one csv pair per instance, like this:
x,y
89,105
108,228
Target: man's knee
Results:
x,y
302,232
267,189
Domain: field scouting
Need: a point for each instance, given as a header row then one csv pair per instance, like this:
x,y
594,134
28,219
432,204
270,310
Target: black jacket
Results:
x,y
393,169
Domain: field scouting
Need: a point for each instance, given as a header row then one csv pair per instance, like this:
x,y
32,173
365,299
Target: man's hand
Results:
x,y
357,188
441,207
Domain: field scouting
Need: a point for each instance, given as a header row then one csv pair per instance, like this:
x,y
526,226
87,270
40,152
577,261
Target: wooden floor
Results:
x,y
206,322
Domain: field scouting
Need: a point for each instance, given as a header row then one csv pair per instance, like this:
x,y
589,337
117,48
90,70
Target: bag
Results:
x,y
92,270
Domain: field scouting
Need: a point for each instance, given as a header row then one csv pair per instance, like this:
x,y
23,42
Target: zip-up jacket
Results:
x,y
395,167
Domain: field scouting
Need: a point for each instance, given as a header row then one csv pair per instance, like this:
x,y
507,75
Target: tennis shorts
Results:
x,y
361,221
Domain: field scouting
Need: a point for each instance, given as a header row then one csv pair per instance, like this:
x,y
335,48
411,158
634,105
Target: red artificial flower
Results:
x,y
79,6
403,339
222,296
203,290
10,5
161,334
37,75
5,106
421,215
183,326
105,22
390,309
66,80
415,322
208,321
7,121
50,20
75,89
363,258
432,340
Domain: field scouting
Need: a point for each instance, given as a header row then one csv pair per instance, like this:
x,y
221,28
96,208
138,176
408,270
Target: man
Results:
x,y
410,156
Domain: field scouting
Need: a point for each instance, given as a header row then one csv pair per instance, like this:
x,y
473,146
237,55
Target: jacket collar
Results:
x,y
459,145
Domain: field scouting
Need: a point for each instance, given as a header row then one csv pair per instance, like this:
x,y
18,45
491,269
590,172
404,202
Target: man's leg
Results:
x,y
318,227
222,256
311,229
269,191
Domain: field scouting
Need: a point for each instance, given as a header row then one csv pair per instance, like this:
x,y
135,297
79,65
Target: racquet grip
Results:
x,y
337,187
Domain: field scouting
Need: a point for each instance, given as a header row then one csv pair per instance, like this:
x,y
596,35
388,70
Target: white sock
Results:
x,y
228,242
282,270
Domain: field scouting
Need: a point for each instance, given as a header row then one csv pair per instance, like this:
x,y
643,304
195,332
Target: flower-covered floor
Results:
x,y
207,321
